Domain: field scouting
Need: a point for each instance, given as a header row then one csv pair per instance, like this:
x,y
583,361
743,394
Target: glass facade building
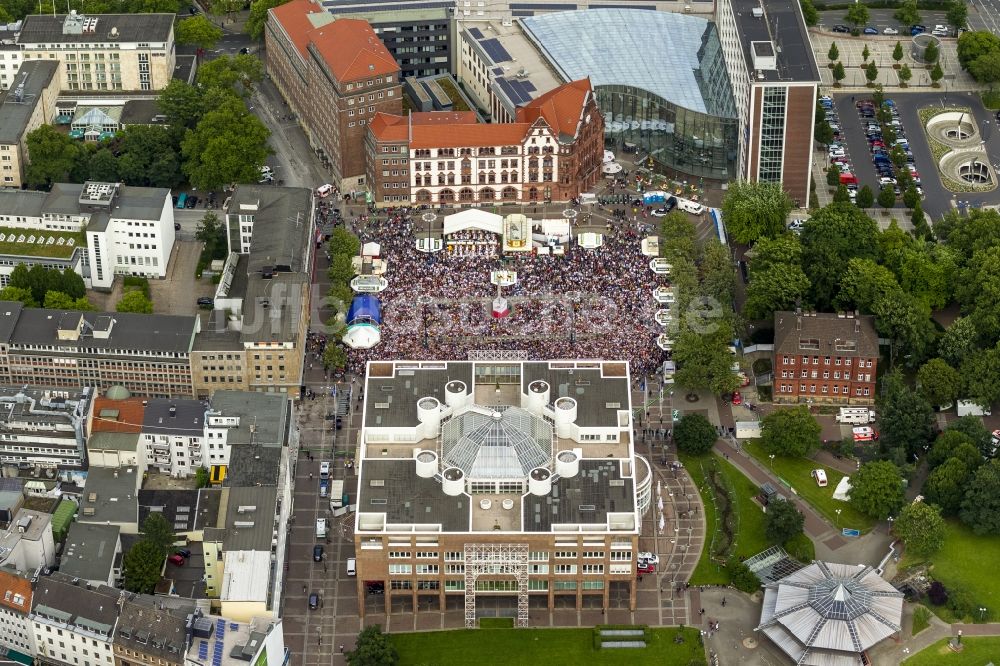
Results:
x,y
660,79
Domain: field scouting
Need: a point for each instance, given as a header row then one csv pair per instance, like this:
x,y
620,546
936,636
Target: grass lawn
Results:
x,y
978,650
749,533
796,473
921,619
540,646
960,564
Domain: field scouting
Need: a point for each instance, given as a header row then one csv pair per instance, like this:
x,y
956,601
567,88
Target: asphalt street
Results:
x,y
883,18
985,15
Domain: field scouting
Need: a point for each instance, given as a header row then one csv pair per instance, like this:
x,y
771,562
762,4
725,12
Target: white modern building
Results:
x,y
44,428
173,434
28,543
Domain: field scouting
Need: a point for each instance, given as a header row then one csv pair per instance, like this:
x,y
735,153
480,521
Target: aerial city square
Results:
x,y
370,333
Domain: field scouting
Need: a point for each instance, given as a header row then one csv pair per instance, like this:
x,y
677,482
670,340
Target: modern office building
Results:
x,y
674,104
30,103
553,151
825,357
44,428
499,477
147,354
335,74
104,51
775,79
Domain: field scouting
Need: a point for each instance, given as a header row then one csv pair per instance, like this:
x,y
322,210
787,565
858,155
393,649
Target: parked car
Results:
x,y
796,225
820,476
176,560
940,31
646,568
317,553
648,558
206,301
917,29
737,398
870,30
841,28
659,212
890,31
184,552
313,601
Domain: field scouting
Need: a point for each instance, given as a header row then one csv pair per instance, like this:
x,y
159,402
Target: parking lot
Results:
x,y
189,578
178,292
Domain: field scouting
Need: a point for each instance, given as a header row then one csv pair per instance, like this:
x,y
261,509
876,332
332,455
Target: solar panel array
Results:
x,y
476,33
519,92
495,50
203,650
220,634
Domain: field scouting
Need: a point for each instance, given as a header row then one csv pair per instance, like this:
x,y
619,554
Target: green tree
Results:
x,y
978,435
865,54
886,197
921,528
343,242
258,16
864,283
373,648
978,291
897,52
182,105
143,564
704,361
782,522
947,446
822,132
135,301
939,382
341,268
931,53
945,485
986,68
695,434
857,14
334,357
777,279
981,375
678,236
877,489
865,198
149,156
58,300
908,14
871,72
981,506
229,71
975,43
212,233
833,53
809,13
229,145
717,278
906,419
958,341
911,198
919,221
936,74
839,73
841,196
53,155
958,14
19,294
833,175
742,577
790,432
198,31
201,478
103,166
835,234
754,210
904,78
158,531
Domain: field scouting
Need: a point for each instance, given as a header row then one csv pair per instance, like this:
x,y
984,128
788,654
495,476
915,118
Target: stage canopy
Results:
x,y
473,218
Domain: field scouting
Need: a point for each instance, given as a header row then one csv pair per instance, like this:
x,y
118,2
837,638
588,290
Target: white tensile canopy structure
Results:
x,y
826,614
843,491
362,336
371,250
473,218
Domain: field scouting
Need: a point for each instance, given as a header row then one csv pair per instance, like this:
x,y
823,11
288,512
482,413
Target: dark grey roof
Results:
x,y
273,308
592,392
402,392
406,498
825,334
24,203
57,598
587,497
149,630
130,332
90,551
14,111
783,25
188,419
116,441
136,203
253,465
179,507
266,414
184,67
116,28
142,112
215,334
111,493
281,224
250,518
10,313
209,505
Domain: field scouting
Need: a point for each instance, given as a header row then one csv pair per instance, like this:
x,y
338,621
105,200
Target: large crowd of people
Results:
x,y
583,304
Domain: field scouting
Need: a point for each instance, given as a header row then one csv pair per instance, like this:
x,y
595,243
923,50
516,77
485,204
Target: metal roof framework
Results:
x,y
504,559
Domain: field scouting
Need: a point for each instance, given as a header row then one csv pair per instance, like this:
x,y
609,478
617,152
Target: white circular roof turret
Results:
x,y
429,414
565,415
540,481
567,464
538,396
453,481
427,464
455,393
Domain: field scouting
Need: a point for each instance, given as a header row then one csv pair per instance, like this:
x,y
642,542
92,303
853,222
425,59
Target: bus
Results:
x,y
182,199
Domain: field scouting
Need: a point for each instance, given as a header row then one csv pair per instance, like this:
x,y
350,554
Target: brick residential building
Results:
x,y
335,75
553,151
825,357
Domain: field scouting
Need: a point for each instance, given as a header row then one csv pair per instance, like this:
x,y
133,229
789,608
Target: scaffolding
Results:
x,y
496,559
498,355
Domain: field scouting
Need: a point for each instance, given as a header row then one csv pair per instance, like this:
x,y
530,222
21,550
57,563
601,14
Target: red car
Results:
x,y
737,398
647,568
176,559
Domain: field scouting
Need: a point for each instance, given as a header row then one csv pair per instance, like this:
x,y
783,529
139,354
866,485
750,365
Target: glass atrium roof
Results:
x,y
654,51
487,444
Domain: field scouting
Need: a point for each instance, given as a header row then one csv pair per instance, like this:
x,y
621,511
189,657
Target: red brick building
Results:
x,y
553,151
825,357
335,74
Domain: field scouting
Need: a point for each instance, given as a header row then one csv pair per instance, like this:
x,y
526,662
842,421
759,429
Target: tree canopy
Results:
x,y
199,31
981,506
782,521
754,210
135,301
53,156
695,434
373,648
790,432
158,531
939,382
921,528
229,145
833,236
143,563
777,281
877,489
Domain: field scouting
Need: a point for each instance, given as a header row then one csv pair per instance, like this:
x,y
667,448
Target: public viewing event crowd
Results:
x,y
443,300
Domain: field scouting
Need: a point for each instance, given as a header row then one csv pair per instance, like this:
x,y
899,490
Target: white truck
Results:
x,y
856,415
336,494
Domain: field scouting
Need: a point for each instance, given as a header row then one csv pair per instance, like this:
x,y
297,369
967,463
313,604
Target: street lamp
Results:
x,y
772,461
982,613
837,511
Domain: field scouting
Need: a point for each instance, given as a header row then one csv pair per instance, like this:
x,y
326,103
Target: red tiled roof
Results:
x,y
438,117
352,50
294,18
15,588
458,135
129,419
387,127
560,107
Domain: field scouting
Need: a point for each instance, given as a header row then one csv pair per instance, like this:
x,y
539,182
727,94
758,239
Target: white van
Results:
x,y
352,566
588,198
324,191
690,206
324,470
864,434
820,476
321,528
856,415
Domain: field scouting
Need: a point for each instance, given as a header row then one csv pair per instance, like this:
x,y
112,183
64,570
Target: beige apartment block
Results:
x,y
30,104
